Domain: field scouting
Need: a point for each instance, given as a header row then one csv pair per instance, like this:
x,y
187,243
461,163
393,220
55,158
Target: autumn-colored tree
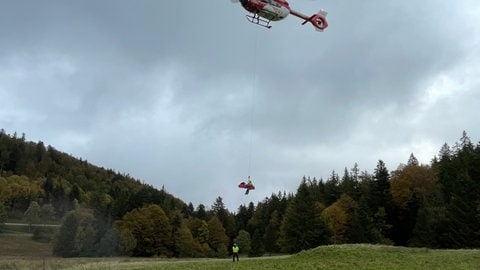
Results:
x,y
176,220
127,240
408,188
199,229
338,217
17,192
185,244
410,180
336,220
218,240
152,231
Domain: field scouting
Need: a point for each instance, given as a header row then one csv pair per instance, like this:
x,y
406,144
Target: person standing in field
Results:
x,y
235,250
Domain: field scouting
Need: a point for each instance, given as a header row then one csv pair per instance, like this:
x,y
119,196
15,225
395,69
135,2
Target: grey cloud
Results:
x,y
182,94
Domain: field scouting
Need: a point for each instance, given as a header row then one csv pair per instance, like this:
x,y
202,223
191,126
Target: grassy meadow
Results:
x,y
18,252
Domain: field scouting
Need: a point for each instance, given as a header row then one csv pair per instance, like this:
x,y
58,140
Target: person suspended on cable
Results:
x,y
248,186
249,182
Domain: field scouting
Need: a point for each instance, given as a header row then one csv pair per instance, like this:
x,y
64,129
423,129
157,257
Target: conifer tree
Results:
x,y
257,249
348,185
242,217
218,209
272,233
380,196
412,160
431,216
201,213
302,227
331,188
361,225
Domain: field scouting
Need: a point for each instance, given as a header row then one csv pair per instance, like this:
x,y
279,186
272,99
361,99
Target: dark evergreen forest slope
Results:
x,y
32,172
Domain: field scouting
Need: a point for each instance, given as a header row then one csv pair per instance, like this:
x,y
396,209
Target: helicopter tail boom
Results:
x,y
319,20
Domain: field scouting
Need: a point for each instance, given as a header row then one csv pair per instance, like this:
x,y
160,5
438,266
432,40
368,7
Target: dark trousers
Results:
x,y
235,255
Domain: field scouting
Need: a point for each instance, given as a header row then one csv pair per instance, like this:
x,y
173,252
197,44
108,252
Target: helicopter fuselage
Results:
x,y
269,9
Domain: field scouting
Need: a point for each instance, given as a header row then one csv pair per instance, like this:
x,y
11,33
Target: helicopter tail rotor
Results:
x,y
318,20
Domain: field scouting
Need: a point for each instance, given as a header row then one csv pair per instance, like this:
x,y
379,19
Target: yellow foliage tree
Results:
x,y
336,219
409,180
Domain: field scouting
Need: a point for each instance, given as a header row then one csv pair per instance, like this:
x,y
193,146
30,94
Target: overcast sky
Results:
x,y
190,96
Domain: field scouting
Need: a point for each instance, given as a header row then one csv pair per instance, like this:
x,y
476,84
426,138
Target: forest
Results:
x,y
101,212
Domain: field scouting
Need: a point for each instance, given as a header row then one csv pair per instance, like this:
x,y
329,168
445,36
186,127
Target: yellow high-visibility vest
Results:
x,y
235,249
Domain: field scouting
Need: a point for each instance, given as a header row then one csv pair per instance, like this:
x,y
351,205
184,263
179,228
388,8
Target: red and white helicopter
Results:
x,y
265,11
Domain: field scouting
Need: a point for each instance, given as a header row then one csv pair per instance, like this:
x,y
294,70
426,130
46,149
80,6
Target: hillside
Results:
x,y
104,213
30,171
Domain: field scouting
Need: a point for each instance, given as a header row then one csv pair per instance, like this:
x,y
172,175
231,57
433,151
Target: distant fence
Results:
x,y
30,225
39,232
24,227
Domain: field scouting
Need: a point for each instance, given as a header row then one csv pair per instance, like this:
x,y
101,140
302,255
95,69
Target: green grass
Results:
x,y
325,257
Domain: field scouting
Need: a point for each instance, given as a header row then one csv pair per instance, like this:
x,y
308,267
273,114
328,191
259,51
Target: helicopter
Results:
x,y
265,11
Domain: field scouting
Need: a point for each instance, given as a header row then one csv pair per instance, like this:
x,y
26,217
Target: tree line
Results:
x,y
104,213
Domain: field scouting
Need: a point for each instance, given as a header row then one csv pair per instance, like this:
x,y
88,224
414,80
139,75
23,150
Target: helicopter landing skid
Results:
x,y
255,19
